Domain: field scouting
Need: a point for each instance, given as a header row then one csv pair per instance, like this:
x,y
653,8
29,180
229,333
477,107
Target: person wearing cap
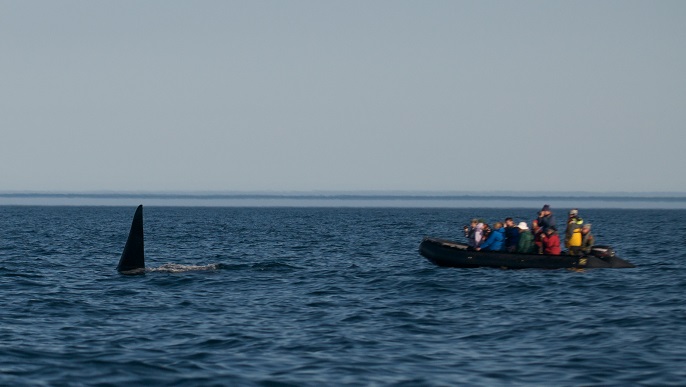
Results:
x,y
511,235
551,242
573,233
587,239
545,218
526,240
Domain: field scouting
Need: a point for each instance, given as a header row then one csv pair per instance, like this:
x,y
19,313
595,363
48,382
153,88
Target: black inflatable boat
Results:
x,y
453,254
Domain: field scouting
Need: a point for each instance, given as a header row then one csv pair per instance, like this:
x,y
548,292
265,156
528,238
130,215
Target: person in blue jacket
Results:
x,y
495,241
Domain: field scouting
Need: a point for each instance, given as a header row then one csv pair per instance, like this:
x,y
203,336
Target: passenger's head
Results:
x,y
498,225
573,213
586,228
509,222
534,224
522,226
475,222
546,209
550,230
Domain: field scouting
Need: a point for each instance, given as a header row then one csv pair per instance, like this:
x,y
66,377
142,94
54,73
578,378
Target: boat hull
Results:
x,y
453,254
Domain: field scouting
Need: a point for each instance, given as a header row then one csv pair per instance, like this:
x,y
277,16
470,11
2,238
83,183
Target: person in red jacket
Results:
x,y
551,242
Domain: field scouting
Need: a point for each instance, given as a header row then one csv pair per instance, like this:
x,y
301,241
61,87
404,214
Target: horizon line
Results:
x,y
353,195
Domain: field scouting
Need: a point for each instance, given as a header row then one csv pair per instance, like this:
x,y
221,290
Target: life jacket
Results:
x,y
576,237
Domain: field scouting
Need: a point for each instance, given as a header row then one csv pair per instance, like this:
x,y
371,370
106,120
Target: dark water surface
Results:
x,y
329,296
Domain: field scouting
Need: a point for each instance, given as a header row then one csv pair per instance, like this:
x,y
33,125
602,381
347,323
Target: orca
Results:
x,y
132,259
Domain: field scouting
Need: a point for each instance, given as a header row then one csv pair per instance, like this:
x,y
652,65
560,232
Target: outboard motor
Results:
x,y
602,251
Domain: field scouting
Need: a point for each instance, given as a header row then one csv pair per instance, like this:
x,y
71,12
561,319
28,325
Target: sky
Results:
x,y
224,96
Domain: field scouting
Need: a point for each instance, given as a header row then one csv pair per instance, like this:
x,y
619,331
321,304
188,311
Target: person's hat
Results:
x,y
523,226
574,212
587,225
546,208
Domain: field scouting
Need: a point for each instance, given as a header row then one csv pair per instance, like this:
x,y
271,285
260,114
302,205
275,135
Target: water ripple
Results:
x,y
283,296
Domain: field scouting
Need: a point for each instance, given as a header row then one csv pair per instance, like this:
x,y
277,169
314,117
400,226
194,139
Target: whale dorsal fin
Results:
x,y
132,259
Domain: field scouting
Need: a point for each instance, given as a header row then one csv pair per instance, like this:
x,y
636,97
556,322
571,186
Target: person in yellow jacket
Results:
x,y
573,235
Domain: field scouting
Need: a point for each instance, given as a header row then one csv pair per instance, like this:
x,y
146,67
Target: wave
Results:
x,y
179,268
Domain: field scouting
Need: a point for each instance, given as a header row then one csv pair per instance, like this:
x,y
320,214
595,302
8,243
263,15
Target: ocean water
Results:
x,y
329,296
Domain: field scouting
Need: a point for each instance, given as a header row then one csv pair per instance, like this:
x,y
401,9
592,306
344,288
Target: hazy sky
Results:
x,y
342,95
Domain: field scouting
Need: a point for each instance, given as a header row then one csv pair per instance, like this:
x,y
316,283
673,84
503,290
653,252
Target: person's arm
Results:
x,y
488,242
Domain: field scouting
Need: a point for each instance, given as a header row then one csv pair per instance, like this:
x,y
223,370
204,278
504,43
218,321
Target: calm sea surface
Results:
x,y
329,296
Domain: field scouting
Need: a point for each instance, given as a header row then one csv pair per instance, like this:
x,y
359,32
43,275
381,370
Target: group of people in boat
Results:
x,y
542,238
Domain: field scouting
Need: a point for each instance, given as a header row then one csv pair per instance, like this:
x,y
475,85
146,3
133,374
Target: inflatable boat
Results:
x,y
454,254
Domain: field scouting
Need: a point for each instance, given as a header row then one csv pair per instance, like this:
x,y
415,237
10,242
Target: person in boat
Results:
x,y
473,233
525,245
587,239
573,233
511,235
545,218
551,242
495,241
485,232
537,231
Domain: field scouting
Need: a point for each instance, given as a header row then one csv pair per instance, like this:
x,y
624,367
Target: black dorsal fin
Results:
x,y
133,258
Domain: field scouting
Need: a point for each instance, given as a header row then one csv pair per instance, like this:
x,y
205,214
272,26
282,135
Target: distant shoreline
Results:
x,y
352,200
621,197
